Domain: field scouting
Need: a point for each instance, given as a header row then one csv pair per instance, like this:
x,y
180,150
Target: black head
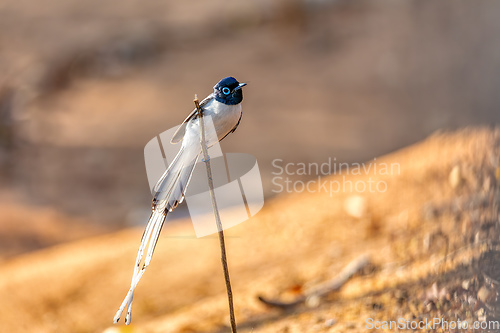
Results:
x,y
228,91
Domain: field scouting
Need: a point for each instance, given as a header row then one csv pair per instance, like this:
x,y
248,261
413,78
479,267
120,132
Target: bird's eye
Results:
x,y
226,91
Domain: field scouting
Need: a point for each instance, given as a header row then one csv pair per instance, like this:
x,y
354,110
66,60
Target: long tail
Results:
x,y
169,192
171,187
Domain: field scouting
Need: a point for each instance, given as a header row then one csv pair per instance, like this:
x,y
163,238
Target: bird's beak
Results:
x,y
241,85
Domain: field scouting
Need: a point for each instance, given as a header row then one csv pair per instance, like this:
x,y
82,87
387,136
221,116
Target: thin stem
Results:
x,y
222,243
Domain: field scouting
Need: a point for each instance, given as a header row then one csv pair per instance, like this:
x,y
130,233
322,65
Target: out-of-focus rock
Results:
x,y
455,177
484,294
355,206
466,284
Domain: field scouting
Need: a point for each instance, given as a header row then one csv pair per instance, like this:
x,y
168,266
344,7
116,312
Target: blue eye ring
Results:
x,y
226,90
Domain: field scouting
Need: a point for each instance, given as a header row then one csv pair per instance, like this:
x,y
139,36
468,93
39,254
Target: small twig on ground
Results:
x,y
325,288
206,159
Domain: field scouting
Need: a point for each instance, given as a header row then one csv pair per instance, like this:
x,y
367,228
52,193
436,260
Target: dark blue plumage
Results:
x,y
228,91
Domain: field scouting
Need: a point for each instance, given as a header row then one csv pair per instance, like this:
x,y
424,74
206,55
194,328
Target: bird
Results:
x,y
223,106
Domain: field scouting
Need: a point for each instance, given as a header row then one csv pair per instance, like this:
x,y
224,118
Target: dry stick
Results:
x,y
206,159
324,288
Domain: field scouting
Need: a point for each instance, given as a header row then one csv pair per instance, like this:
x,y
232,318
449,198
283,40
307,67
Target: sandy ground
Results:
x,y
23,230
432,238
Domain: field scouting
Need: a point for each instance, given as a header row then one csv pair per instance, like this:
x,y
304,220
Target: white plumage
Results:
x,y
171,187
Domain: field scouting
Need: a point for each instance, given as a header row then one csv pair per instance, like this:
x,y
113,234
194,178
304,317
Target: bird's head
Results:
x,y
228,91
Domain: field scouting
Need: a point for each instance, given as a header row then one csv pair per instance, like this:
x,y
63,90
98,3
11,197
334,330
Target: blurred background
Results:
x,y
84,85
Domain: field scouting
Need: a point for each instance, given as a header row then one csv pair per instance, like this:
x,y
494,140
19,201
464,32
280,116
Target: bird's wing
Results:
x,y
179,134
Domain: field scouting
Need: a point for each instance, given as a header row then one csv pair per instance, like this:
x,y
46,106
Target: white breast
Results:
x,y
224,117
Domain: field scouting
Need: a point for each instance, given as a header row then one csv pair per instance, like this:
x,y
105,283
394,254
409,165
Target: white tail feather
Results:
x,y
169,192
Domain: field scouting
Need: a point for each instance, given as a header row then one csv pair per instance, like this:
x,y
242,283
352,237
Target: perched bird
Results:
x,y
224,108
